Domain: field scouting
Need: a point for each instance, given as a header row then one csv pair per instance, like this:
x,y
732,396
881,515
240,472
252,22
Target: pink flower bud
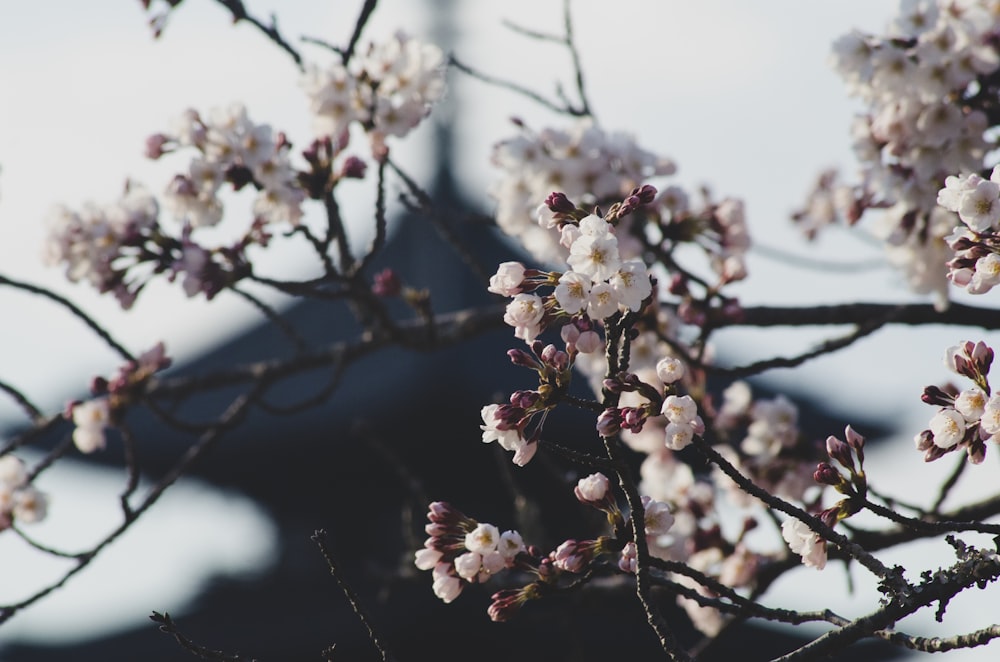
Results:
x,y
155,146
645,193
522,358
825,474
593,489
353,168
589,342
559,203
839,451
934,395
856,442
386,283
609,423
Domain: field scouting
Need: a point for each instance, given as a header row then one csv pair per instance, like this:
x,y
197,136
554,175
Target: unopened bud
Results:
x,y
645,193
841,452
558,203
522,358
609,423
935,395
825,474
386,283
353,168
155,145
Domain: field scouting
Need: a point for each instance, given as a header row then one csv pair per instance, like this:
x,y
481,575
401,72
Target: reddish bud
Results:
x,y
353,168
935,395
825,474
155,145
558,203
386,283
841,452
524,359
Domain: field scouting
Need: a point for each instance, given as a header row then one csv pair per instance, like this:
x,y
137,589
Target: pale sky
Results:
x,y
739,94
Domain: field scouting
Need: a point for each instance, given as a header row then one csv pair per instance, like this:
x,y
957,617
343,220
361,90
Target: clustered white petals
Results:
x,y
926,84
20,501
525,314
91,241
91,419
389,89
975,264
683,421
507,280
592,488
582,161
460,551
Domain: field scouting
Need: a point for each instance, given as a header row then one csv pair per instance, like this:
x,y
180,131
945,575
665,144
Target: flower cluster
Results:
x,y
771,449
928,85
461,551
683,421
97,243
598,284
118,247
965,419
508,424
583,161
849,454
93,417
20,501
976,265
388,89
234,150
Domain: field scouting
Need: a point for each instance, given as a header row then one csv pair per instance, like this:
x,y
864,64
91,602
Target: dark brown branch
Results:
x,y
854,550
167,627
973,567
359,26
274,317
513,87
231,417
949,484
932,527
73,308
441,225
942,644
860,313
33,412
240,13
380,222
826,347
574,54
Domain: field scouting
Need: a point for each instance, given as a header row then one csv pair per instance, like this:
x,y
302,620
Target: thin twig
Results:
x,y
949,484
167,627
101,332
359,26
574,54
240,13
274,317
513,87
320,538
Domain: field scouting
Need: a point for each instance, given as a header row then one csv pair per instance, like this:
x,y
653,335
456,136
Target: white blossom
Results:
x,y
573,292
948,427
631,284
507,280
483,539
804,542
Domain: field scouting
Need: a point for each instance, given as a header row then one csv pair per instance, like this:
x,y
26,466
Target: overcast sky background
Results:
x,y
739,94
